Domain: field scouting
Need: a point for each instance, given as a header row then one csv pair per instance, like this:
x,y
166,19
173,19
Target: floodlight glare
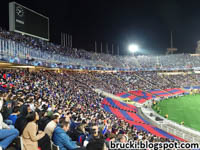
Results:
x,y
133,48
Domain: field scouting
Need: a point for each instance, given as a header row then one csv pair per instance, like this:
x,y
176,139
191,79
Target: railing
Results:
x,y
169,126
183,132
17,52
106,94
12,49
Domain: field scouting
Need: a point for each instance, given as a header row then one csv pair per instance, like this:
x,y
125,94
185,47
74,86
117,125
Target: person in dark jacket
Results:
x,y
21,120
7,110
79,134
94,135
97,145
61,139
45,119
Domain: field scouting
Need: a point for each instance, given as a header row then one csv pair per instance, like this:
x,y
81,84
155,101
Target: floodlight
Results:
x,y
133,48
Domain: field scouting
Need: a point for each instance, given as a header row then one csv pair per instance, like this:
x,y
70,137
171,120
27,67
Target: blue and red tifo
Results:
x,y
129,113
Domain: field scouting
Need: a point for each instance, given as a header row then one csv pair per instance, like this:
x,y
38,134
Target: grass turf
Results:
x,y
186,108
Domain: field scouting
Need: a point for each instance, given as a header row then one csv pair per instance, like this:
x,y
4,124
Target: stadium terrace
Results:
x,y
56,97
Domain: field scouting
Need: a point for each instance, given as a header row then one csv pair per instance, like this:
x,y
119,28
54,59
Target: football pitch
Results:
x,y
186,108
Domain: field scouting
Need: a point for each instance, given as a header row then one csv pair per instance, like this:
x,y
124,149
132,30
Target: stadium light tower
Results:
x,y
133,48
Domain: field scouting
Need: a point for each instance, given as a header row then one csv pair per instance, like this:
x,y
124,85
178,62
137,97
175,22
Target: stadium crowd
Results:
x,y
45,106
82,57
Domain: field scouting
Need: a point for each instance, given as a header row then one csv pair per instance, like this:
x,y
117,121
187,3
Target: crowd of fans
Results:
x,y
61,107
45,107
50,51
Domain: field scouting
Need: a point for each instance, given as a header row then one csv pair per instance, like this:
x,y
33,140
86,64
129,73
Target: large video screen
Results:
x,y
27,21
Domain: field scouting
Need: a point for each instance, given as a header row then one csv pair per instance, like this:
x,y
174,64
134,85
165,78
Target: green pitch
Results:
x,y
186,108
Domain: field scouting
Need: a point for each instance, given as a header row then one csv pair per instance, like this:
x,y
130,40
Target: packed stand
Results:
x,y
47,50
42,106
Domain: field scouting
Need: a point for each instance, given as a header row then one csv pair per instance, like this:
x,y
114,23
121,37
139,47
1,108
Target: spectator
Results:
x,y
97,145
94,135
79,133
30,136
7,110
52,125
122,138
13,117
44,120
21,120
61,138
7,135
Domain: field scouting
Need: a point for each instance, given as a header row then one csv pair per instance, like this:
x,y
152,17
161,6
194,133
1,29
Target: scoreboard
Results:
x,y
26,21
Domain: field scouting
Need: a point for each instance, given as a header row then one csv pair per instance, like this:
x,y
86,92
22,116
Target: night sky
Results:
x,y
145,22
